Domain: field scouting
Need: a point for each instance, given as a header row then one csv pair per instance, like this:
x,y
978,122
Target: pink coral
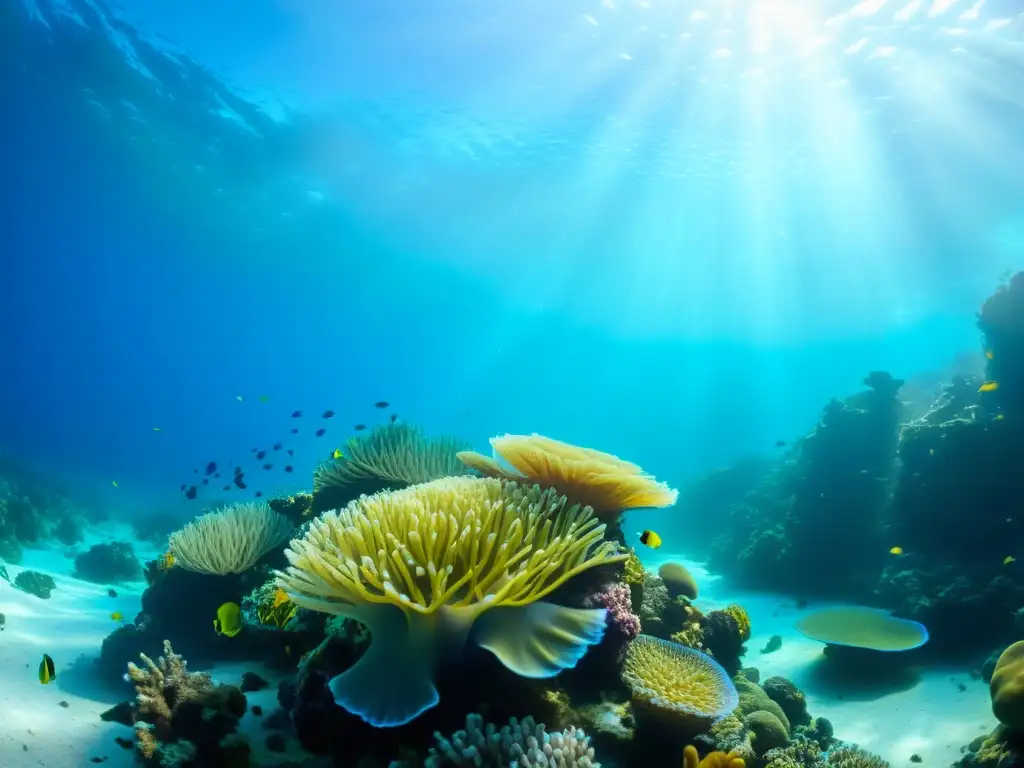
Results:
x,y
621,619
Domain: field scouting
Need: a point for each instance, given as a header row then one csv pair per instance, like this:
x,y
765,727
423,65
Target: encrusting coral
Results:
x,y
520,744
229,540
683,684
422,566
390,457
604,482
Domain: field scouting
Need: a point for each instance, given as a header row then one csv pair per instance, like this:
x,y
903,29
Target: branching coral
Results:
x,y
229,540
390,457
423,566
854,757
524,744
677,681
599,480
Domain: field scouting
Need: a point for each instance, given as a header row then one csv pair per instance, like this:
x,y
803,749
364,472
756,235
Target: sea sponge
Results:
x,y
423,566
769,732
716,759
677,681
229,540
523,744
390,457
599,480
678,580
859,627
1007,687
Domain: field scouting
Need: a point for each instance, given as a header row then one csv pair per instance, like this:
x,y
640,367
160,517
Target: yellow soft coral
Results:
x,y
634,573
600,480
681,682
422,566
739,613
691,759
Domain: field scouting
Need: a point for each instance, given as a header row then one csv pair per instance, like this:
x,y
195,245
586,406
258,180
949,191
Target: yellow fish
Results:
x,y
989,386
988,354
896,551
117,616
47,672
114,483
166,562
280,596
650,539
1009,559
229,620
338,454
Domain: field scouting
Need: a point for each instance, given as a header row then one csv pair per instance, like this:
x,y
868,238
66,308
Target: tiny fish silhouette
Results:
x,y
258,494
277,446
211,467
296,414
261,455
268,465
295,430
291,452
288,468
381,404
328,414
192,492
780,443
394,417
774,643
321,432
359,427
206,481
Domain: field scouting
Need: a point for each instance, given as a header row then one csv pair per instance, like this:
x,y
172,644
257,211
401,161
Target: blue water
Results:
x,y
664,230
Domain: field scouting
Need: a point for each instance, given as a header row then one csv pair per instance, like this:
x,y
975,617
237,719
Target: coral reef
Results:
x,y
1007,687
182,719
105,563
601,481
229,540
624,625
789,698
35,583
449,574
678,580
523,744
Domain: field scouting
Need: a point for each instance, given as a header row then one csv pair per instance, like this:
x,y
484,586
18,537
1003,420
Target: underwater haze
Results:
x,y
269,256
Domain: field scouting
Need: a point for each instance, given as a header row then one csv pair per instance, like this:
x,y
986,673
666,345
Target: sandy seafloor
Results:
x,y
933,719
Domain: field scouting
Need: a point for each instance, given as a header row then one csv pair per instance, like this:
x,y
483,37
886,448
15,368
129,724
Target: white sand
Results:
x,y
70,627
933,718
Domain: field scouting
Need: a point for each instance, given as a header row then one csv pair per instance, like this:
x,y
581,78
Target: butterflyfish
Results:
x,y
229,620
989,386
47,672
280,596
650,539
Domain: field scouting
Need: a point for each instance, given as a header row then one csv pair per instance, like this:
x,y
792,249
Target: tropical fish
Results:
x,y
337,454
774,643
291,452
988,354
239,481
191,492
296,414
258,494
47,672
226,488
359,427
394,417
277,446
381,404
1009,559
261,455
989,386
896,551
114,483
229,620
780,443
166,561
288,468
650,539
328,414
295,430
117,616
321,432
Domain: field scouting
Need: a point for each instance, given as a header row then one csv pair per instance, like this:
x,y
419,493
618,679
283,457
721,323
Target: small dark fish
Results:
x,y
211,467
258,494
206,481
774,643
277,446
328,414
321,432
381,404
780,443
915,758
261,455
183,487
288,468
359,427
227,487
216,474
238,471
961,687
240,480
111,593
191,492
295,430
268,465
394,417
291,452
296,414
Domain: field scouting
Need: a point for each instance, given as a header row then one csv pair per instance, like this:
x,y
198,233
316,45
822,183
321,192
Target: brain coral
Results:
x,y
426,567
390,457
863,628
599,480
679,681
678,580
1007,687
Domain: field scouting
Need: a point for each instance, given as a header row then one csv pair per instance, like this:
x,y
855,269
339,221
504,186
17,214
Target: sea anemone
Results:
x,y
229,540
429,566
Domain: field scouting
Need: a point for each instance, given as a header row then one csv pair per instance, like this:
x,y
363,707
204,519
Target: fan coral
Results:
x,y
599,480
863,628
673,679
423,566
229,540
716,759
1007,686
517,745
390,457
678,580
854,757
